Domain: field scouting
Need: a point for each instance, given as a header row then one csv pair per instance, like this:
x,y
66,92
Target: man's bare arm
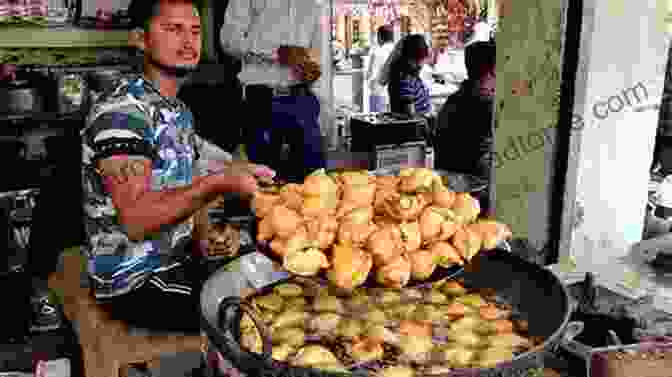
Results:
x,y
143,211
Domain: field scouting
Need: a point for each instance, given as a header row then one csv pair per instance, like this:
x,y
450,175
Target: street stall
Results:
x,y
383,265
329,291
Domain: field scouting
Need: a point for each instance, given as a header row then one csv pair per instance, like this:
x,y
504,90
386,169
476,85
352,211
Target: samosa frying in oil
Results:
x,y
350,266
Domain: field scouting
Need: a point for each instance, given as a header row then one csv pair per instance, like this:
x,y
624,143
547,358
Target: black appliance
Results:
x,y
391,140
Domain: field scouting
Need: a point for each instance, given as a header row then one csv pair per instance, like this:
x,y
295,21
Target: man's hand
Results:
x,y
304,62
239,176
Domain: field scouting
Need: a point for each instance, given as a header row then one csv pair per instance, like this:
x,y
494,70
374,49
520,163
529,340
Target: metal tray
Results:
x,y
457,182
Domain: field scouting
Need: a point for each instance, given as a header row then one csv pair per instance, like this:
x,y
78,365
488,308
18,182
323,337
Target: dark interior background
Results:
x,y
214,93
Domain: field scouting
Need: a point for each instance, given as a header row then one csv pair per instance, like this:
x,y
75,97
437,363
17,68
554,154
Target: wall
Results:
x,y
623,53
528,80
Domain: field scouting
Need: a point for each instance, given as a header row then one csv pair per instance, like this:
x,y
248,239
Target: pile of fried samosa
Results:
x,y
354,223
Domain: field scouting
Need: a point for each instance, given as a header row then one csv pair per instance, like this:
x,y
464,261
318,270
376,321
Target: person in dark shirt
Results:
x,y
464,124
464,136
408,93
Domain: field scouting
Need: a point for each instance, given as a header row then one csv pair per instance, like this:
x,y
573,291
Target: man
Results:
x,y
378,98
141,190
286,59
662,155
465,128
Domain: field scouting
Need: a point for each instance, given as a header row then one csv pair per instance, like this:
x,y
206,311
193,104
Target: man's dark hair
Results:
x,y
479,56
385,34
142,11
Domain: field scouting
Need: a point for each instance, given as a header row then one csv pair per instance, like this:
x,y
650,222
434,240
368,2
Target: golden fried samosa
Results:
x,y
318,206
445,254
327,303
282,351
417,179
466,208
395,274
284,221
356,178
360,195
263,202
325,322
350,266
265,229
411,236
443,197
396,371
416,349
322,230
319,183
403,207
382,194
491,356
456,355
364,349
292,196
272,302
387,182
313,355
385,244
492,232
467,242
288,290
430,224
423,264
295,336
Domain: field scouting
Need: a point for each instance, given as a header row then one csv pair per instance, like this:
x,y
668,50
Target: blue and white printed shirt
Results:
x,y
161,129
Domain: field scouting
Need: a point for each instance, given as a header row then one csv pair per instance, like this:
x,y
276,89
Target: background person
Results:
x,y
662,155
406,89
284,50
466,117
378,98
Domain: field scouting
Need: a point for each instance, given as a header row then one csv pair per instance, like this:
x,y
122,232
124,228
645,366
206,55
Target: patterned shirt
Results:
x,y
413,88
135,120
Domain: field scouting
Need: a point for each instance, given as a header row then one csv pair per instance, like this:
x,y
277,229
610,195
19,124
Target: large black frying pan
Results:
x,y
532,290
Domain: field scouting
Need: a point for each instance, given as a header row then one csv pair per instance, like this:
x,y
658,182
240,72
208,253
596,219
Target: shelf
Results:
x,y
61,37
40,117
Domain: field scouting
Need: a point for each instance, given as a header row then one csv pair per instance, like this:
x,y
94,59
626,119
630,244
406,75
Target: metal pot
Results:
x,y
20,97
532,290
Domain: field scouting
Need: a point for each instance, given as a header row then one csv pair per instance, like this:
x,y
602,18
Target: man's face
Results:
x,y
173,38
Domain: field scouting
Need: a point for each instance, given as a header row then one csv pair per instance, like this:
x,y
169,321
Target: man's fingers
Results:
x,y
256,170
239,183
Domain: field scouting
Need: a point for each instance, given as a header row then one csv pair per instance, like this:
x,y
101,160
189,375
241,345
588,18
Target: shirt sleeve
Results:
x,y
369,71
211,152
233,34
119,133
